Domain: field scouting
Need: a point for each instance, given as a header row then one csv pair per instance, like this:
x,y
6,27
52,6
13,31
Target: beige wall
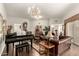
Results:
x,y
33,22
3,11
73,11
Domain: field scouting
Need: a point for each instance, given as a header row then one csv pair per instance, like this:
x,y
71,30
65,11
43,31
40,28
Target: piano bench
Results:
x,y
19,46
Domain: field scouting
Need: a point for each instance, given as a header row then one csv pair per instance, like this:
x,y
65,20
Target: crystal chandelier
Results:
x,y
35,12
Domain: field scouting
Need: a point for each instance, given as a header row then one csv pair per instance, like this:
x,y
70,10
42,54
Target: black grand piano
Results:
x,y
12,38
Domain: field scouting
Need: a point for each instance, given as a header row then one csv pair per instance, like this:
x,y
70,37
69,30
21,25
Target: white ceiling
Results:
x,y
48,10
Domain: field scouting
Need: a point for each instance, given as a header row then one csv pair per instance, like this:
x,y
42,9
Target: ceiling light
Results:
x,y
34,12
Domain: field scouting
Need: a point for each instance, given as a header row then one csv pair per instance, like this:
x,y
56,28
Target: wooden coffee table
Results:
x,y
47,46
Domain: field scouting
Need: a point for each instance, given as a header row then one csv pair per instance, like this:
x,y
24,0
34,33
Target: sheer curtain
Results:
x,y
76,32
73,31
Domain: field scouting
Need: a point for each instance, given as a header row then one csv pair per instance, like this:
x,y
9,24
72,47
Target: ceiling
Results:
x,y
48,10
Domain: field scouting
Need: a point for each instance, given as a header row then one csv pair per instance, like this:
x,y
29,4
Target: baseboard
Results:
x,y
75,43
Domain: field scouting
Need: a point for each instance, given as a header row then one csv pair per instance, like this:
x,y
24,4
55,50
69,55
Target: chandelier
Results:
x,y
34,12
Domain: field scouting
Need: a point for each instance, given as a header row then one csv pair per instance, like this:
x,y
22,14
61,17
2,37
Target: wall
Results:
x,y
74,11
55,21
17,20
33,22
2,11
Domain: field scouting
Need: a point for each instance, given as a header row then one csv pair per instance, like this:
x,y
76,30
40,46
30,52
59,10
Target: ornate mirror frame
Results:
x,y
24,26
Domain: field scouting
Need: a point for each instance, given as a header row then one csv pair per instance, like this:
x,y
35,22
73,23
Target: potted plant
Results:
x,y
46,29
